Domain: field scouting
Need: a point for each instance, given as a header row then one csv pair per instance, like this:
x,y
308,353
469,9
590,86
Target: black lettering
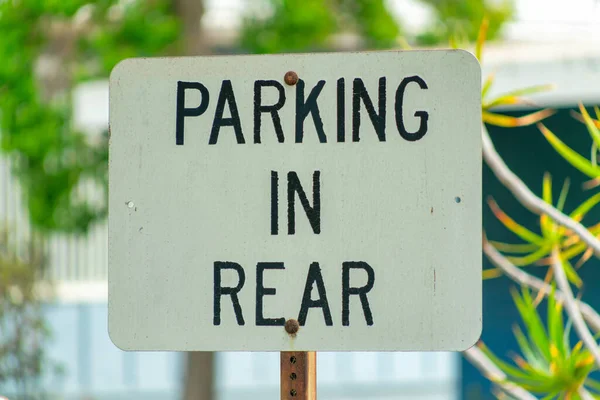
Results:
x,y
272,109
227,291
377,119
226,95
423,115
274,203
341,110
313,213
183,112
303,108
347,291
262,291
314,276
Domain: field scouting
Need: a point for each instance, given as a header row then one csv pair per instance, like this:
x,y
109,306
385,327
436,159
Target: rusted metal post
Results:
x,y
298,375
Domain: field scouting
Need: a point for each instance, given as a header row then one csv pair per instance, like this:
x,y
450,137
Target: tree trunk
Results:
x,y
199,375
190,13
199,379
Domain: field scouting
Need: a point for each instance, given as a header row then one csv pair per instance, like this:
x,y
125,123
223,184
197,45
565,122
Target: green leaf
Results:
x,y
533,257
533,323
569,154
593,384
533,357
555,323
573,251
506,121
589,123
585,207
515,96
571,274
514,248
514,227
481,39
547,188
509,369
487,85
562,198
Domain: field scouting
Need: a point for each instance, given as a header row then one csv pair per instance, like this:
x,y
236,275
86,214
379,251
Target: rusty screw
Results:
x,y
291,78
292,326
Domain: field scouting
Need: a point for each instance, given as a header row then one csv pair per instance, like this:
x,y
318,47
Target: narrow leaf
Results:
x,y
514,248
584,258
533,257
589,123
569,154
580,118
562,198
513,226
481,39
585,207
506,121
487,84
515,96
491,273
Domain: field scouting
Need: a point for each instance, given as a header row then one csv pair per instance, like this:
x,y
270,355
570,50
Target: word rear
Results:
x,y
313,278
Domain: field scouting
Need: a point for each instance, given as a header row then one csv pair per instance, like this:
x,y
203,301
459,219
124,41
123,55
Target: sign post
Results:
x,y
298,375
296,203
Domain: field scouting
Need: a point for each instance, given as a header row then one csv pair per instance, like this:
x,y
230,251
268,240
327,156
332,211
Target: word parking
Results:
x,y
305,105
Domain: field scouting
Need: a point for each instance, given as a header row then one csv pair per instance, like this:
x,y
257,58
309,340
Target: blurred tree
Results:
x,y
461,19
23,332
47,47
308,25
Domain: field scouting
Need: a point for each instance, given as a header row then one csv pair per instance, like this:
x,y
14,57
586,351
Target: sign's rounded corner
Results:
x,y
120,67
118,341
472,341
469,59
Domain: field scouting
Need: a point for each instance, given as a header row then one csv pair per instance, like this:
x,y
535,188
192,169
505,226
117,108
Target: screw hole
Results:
x,y
293,376
293,393
457,199
293,359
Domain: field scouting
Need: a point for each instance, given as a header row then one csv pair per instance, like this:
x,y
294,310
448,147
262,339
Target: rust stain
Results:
x,y
292,327
291,78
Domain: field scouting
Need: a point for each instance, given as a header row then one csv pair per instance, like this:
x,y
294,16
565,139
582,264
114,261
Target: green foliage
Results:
x,y
52,159
460,19
587,167
548,365
537,247
372,21
307,25
295,25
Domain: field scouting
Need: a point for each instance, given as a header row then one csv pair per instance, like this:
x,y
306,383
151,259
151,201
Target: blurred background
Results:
x,y
55,59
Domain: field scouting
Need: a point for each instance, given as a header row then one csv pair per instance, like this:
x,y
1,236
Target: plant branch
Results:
x,y
527,198
572,307
584,394
494,374
525,279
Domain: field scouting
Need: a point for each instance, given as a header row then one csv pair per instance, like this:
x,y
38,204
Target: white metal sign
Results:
x,y
345,195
